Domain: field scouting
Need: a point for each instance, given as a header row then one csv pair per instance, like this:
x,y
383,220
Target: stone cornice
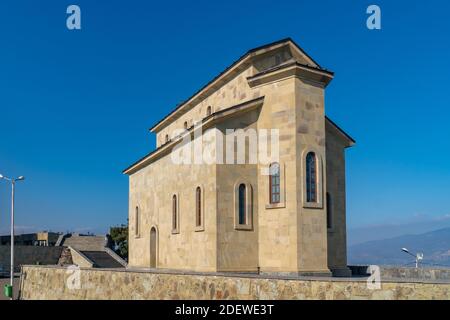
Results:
x,y
289,69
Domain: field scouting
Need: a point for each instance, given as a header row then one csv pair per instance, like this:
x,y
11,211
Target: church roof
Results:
x,y
347,137
311,63
243,61
207,122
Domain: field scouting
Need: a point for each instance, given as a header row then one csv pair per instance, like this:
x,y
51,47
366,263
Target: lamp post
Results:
x,y
418,256
13,183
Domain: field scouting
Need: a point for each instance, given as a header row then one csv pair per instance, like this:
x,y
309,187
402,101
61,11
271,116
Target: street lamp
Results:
x,y
418,256
13,183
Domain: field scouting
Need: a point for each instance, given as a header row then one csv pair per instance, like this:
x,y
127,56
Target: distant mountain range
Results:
x,y
435,246
410,225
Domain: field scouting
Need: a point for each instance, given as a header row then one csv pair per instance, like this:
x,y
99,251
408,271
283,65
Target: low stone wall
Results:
x,y
413,273
29,255
47,282
393,272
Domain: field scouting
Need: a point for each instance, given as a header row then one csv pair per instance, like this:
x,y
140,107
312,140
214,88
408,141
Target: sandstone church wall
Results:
x,y
237,250
312,231
151,190
278,223
337,235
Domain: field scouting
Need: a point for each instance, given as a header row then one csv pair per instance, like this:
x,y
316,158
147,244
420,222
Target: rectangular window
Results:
x,y
136,222
274,183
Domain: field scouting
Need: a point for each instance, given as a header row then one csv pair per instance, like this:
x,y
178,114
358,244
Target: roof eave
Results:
x,y
207,122
351,142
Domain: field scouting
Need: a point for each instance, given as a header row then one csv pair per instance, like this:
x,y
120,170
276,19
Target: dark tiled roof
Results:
x,y
102,259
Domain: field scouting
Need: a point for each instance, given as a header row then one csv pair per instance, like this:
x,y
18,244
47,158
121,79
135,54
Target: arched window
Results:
x,y
174,214
185,125
274,182
242,204
136,222
208,111
167,138
198,207
311,177
153,247
329,212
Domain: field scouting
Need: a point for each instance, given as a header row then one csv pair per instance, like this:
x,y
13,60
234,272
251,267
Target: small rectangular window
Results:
x,y
136,222
198,207
175,214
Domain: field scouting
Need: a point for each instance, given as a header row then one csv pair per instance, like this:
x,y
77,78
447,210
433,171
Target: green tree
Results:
x,y
119,236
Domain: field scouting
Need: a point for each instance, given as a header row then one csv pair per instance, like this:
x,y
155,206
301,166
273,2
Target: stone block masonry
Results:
x,y
50,282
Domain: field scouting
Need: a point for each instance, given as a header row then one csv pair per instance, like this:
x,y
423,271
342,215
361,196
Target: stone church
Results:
x,y
231,217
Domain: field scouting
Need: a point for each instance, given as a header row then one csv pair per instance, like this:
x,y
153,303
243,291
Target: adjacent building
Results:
x,y
43,239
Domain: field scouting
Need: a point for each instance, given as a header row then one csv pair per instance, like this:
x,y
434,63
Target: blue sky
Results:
x,y
75,106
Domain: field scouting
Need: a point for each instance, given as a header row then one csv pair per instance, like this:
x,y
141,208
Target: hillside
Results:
x,y
435,246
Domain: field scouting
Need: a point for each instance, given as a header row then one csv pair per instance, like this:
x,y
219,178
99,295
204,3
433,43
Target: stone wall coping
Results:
x,y
116,257
248,275
425,267
78,252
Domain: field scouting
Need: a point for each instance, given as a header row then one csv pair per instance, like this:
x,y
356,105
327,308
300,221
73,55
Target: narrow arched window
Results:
x,y
167,138
208,111
274,182
311,177
174,213
242,204
136,221
198,206
185,125
329,212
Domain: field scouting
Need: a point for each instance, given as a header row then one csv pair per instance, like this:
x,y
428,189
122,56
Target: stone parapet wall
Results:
x,y
48,282
413,273
392,272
